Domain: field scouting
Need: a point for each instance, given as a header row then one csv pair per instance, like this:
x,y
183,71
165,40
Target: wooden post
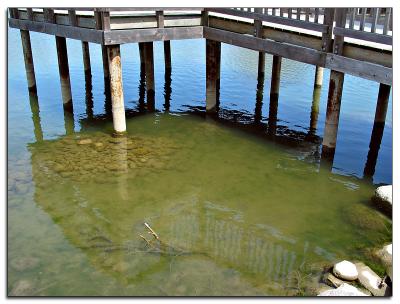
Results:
x,y
149,66
103,23
141,54
258,32
117,93
334,96
377,130
276,75
167,55
213,70
63,68
28,59
319,77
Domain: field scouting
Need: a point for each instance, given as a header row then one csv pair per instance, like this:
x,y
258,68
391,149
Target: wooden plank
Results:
x,y
362,21
90,35
293,52
368,54
273,19
160,19
131,22
138,9
29,13
154,34
387,20
352,18
359,68
366,36
375,15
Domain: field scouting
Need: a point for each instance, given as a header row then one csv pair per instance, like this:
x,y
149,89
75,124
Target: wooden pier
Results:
x,y
354,41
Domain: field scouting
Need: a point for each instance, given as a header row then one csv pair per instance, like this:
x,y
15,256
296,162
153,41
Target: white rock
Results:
x,y
384,193
344,290
370,280
388,249
345,270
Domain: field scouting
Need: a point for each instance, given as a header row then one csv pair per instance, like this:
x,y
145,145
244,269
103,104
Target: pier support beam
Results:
x,y
141,54
319,76
213,70
276,76
86,58
332,114
167,55
63,68
149,66
377,130
28,59
117,93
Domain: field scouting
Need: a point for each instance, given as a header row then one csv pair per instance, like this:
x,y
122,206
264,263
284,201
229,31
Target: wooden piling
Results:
x,y
167,55
28,59
37,127
258,32
63,68
149,67
102,20
334,96
319,76
276,76
213,70
377,130
117,94
86,58
332,114
315,111
141,54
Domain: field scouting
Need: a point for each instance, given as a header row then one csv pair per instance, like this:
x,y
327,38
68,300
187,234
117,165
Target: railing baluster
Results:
x,y
274,11
289,13
362,21
281,11
387,19
316,15
29,13
375,16
72,17
308,14
352,18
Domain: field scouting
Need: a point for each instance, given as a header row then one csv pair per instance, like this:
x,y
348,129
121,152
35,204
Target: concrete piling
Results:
x,y
332,114
63,68
117,94
28,59
213,70
319,76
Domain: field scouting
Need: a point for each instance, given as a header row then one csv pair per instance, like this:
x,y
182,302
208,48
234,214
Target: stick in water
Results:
x,y
151,231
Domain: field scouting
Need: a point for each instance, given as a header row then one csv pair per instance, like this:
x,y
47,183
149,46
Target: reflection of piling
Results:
x,y
121,161
167,55
63,68
273,115
69,122
167,89
117,94
259,99
377,130
37,127
141,54
149,67
89,95
29,67
142,90
213,70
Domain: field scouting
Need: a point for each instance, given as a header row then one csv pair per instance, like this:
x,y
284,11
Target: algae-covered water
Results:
x,y
239,201
244,216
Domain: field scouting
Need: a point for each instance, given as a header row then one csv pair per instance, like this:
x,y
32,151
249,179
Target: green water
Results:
x,y
241,215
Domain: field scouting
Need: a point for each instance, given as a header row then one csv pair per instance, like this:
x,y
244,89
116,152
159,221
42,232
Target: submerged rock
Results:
x,y
370,280
384,255
331,280
345,270
344,290
22,288
85,141
383,198
23,264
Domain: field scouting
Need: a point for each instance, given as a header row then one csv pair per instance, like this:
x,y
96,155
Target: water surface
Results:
x,y
240,199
